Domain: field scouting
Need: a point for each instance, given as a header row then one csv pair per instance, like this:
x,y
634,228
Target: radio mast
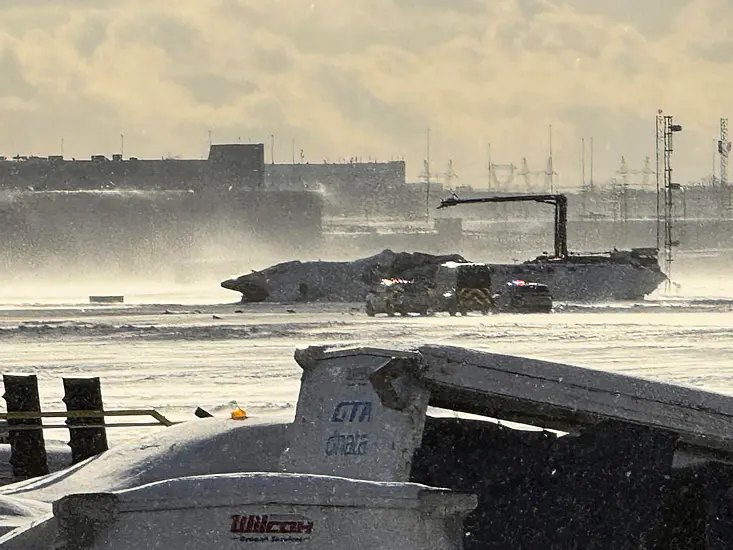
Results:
x,y
723,150
724,147
666,128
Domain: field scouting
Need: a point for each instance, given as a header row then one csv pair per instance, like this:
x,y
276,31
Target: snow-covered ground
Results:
x,y
174,348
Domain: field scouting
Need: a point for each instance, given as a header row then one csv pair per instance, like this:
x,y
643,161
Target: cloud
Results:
x,y
654,18
13,83
91,34
367,78
471,7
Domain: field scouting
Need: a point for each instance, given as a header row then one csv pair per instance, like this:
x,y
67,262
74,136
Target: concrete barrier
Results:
x,y
248,510
360,414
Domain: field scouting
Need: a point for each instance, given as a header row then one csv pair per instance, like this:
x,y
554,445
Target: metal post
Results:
x,y
660,172
84,394
668,129
561,227
27,446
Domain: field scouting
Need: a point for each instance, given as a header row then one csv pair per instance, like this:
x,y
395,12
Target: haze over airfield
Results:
x,y
367,77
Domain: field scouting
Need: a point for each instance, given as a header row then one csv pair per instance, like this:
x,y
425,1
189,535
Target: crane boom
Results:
x,y
560,202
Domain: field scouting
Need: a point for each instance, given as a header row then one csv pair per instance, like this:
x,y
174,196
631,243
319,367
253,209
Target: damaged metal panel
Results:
x,y
360,414
554,395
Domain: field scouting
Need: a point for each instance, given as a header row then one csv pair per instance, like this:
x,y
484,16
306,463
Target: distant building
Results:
x,y
350,176
228,165
240,165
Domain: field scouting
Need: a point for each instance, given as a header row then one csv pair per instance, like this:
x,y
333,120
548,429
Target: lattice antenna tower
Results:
x,y
623,171
659,150
646,172
724,147
526,174
508,172
450,175
666,128
623,190
550,170
426,175
723,150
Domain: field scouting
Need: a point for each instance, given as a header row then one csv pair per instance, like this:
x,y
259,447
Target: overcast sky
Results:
x,y
367,77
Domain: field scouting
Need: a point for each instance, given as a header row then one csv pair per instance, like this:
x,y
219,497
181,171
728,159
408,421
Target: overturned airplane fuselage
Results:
x,y
615,276
319,281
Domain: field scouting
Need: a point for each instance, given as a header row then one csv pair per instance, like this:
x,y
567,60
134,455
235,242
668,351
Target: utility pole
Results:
x,y
122,145
272,148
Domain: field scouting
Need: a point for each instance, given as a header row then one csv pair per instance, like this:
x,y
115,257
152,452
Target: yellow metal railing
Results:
x,y
160,420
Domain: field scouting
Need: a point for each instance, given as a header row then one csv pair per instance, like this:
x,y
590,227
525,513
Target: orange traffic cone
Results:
x,y
239,414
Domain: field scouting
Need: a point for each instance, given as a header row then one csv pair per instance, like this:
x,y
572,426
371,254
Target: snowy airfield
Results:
x,y
175,348
213,357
